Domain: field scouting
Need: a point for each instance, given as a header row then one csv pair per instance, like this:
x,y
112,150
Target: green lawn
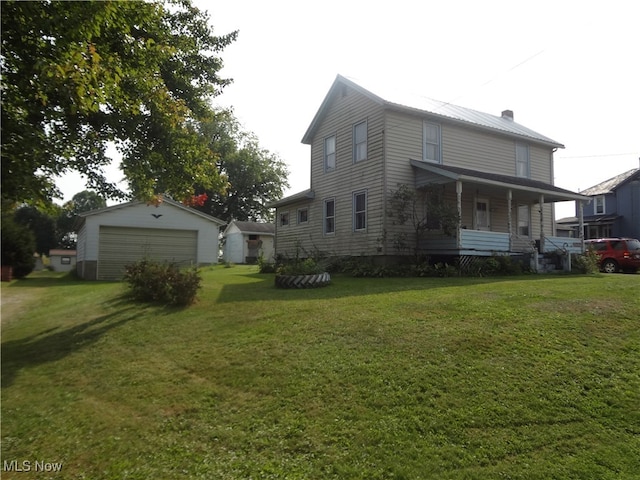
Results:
x,y
531,377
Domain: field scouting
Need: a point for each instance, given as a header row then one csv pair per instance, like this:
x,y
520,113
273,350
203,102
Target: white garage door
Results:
x,y
119,246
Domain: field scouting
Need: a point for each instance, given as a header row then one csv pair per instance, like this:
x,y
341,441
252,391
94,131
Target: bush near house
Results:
x,y
165,283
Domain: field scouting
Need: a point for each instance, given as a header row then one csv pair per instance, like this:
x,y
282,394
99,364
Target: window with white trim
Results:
x,y
359,211
284,219
329,215
431,151
330,153
303,215
598,205
523,169
360,141
524,220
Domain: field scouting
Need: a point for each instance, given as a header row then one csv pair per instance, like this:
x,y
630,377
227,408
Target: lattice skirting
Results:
x,y
303,281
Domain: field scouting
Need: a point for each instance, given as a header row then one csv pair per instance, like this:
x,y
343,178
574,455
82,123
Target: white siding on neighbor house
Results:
x,y
236,248
140,215
233,250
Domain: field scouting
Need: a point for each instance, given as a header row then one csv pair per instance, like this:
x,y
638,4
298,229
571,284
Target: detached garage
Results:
x,y
112,237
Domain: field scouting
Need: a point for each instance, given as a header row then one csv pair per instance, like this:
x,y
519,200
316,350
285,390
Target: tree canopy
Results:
x,y
78,77
255,175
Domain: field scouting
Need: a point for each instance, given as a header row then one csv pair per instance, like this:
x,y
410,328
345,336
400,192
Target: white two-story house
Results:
x,y
496,174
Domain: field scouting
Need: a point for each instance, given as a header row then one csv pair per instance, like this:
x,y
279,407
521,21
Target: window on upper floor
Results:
x,y
360,211
284,219
303,215
360,141
329,216
598,205
523,168
330,153
431,151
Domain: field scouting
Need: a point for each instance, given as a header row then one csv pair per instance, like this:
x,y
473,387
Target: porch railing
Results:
x,y
563,244
481,242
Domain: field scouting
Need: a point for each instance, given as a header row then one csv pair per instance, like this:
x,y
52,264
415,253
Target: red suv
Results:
x,y
616,253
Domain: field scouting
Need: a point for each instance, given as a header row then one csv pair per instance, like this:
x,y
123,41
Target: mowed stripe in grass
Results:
x,y
527,377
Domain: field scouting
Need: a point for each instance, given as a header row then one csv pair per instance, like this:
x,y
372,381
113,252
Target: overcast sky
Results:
x,y
569,70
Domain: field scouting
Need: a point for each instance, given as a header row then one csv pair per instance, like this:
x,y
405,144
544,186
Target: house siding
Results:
x,y
628,207
394,138
346,110
472,149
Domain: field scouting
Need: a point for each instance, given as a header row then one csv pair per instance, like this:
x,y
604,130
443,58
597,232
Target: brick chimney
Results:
x,y
508,114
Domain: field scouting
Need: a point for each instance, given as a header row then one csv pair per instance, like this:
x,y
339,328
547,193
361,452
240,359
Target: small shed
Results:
x,y
62,260
166,231
244,242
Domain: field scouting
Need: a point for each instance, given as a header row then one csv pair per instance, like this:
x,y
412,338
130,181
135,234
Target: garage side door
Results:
x,y
119,246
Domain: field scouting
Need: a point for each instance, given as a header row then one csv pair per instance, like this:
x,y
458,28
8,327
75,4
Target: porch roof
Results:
x,y
428,173
304,195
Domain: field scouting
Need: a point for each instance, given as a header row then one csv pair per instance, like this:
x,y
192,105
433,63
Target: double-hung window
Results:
x,y
329,216
522,161
330,153
359,211
524,220
360,141
598,205
431,151
303,215
284,219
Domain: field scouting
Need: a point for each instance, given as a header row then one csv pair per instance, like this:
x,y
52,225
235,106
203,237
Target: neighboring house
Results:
x,y
614,209
112,237
62,260
495,173
244,242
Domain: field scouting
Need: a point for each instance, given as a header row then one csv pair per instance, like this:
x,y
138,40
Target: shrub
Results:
x,y
151,281
588,262
264,266
308,266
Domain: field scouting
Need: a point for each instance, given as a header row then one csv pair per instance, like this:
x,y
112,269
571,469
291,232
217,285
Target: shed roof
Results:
x,y
255,227
394,97
610,185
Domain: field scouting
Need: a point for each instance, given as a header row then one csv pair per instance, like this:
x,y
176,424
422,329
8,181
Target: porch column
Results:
x,y
581,224
459,207
509,222
541,203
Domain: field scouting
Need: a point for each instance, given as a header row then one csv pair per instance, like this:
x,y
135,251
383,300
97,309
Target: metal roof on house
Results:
x,y
394,97
608,186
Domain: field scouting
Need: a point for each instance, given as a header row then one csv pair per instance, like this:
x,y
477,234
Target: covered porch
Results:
x,y
498,214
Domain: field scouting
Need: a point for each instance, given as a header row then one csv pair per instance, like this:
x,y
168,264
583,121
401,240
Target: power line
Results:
x,y
600,156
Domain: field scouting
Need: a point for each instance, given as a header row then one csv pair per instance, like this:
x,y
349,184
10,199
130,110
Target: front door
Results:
x,y
482,214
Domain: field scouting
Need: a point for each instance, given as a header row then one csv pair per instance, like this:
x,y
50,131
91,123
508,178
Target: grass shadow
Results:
x,y
56,343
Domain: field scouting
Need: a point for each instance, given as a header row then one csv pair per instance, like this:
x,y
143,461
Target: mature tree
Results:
x,y
78,77
41,224
255,175
18,245
67,215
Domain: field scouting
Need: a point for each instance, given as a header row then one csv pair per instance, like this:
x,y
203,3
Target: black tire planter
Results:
x,y
303,281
